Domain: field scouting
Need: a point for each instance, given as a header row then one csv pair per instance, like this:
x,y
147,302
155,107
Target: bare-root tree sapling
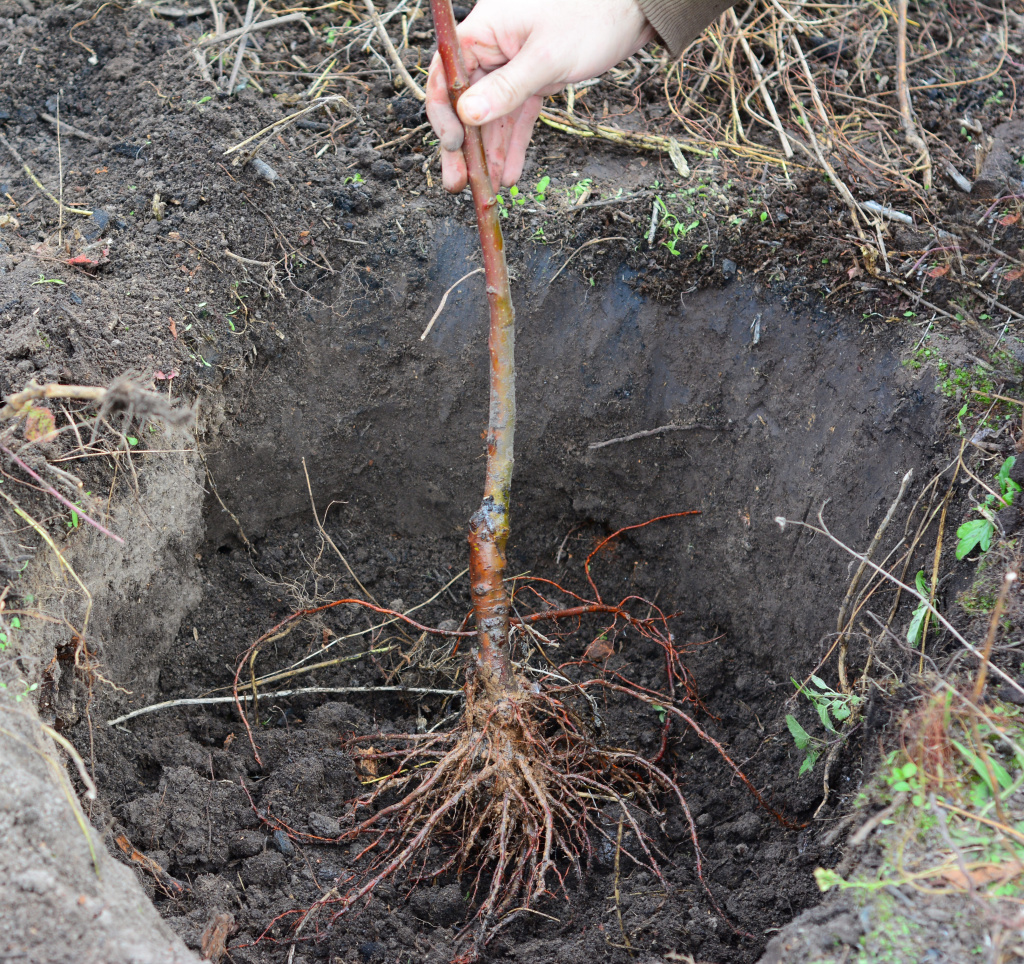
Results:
x,y
524,789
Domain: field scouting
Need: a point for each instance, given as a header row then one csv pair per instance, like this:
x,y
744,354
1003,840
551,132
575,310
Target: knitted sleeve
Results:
x,y
679,22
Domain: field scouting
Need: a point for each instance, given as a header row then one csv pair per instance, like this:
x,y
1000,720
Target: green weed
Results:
x,y
6,636
832,708
978,532
920,617
904,779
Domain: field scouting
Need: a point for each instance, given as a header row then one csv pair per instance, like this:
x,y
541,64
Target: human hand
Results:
x,y
516,52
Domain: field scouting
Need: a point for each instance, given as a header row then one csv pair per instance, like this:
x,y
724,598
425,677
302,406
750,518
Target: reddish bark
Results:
x,y
488,528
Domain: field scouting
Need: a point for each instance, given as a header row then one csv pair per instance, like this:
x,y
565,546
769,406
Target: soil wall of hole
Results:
x,y
390,431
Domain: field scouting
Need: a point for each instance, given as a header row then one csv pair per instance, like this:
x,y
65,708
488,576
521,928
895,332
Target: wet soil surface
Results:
x,y
768,406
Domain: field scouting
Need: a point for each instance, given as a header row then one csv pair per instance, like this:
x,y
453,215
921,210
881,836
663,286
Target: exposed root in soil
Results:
x,y
526,789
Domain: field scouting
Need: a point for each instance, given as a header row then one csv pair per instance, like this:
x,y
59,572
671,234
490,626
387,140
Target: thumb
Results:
x,y
503,90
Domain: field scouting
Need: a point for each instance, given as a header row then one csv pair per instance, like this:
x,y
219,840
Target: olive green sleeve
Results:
x,y
680,22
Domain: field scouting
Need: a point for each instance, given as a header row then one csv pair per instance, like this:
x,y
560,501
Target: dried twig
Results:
x,y
280,694
50,490
910,131
444,301
822,529
252,28
586,244
243,40
841,625
39,184
647,433
68,129
396,59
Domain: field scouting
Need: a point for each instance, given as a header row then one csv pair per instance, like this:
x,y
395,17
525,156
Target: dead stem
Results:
x,y
910,129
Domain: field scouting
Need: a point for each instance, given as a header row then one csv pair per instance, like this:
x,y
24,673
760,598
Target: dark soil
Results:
x,y
779,437
315,355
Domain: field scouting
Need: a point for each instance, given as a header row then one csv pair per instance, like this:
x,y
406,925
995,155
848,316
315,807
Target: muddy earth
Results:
x,y
289,313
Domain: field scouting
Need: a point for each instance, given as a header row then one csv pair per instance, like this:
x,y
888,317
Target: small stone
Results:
x,y
322,826
728,269
283,843
96,225
408,162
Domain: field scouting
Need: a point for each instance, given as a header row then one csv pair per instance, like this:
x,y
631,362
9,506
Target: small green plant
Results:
x,y
831,706
660,711
677,229
993,782
26,689
6,636
977,533
578,189
920,617
356,178
904,779
960,419
540,192
829,703
959,382
43,280
804,741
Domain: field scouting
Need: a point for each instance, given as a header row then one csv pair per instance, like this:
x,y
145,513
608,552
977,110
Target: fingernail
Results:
x,y
473,108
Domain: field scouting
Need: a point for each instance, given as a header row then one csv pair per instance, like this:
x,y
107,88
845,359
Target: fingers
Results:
x,y
453,171
448,128
504,90
505,144
519,140
439,109
497,136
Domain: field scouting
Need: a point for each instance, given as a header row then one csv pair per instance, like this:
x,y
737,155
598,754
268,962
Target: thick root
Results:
x,y
519,792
